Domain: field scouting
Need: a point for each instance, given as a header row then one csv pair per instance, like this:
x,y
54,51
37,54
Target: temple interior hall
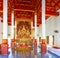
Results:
x,y
29,28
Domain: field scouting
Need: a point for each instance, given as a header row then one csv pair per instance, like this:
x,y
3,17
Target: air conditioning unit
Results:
x,y
56,31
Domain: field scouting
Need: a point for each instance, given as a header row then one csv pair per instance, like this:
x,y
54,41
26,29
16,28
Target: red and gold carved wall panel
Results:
x,y
23,29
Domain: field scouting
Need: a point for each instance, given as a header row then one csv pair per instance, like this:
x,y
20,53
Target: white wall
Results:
x,y
57,35
52,24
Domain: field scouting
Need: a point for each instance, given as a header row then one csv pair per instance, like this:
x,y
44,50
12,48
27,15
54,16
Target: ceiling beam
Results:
x,y
24,10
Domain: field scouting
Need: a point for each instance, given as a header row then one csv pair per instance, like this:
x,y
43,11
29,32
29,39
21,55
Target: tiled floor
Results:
x,y
28,55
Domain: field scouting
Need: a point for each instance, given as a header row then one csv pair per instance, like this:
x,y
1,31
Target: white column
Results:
x,y
15,29
43,20
5,17
12,27
31,30
36,37
35,26
1,30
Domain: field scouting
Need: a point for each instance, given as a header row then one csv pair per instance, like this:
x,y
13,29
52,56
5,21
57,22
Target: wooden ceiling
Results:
x,y
27,8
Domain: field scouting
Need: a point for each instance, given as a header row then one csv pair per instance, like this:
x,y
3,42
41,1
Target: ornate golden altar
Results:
x,y
23,36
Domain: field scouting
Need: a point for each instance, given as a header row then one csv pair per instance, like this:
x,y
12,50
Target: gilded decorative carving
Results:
x,y
23,31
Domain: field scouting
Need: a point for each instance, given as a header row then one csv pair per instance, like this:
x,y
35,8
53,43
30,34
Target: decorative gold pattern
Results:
x,y
23,31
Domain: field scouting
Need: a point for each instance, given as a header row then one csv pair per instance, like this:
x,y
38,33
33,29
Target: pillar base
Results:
x,y
43,46
13,43
4,46
35,46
